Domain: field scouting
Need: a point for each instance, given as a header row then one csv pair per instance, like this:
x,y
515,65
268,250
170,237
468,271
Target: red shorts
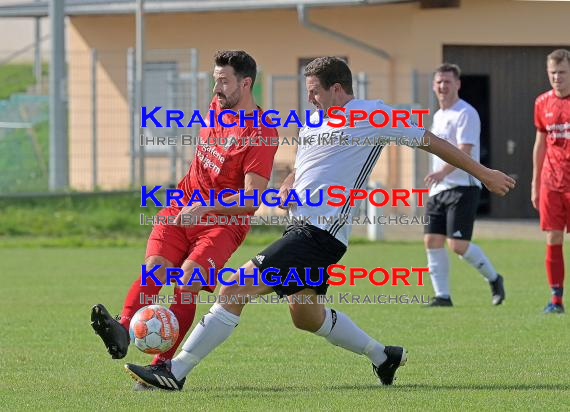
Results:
x,y
208,245
554,210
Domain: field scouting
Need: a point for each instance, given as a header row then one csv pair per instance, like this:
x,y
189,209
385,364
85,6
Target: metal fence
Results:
x,y
104,149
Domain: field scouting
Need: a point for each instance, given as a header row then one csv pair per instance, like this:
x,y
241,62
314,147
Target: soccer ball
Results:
x,y
154,329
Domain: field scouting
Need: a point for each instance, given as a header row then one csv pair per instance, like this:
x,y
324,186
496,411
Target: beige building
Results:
x,y
500,44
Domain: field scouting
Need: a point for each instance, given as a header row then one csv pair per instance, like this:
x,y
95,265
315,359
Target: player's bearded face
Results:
x,y
227,87
227,101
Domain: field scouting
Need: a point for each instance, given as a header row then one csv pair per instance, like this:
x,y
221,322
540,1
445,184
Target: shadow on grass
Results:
x,y
398,387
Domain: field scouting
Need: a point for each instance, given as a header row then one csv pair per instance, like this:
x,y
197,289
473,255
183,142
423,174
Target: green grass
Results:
x,y
470,357
86,220
16,78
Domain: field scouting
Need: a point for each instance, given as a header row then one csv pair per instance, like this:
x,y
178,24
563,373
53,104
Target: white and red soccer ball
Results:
x,y
154,329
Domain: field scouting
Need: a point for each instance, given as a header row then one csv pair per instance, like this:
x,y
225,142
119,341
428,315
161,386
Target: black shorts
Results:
x,y
452,212
305,248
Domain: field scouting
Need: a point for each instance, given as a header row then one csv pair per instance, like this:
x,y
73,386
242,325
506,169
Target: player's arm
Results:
x,y
253,183
538,153
495,180
438,175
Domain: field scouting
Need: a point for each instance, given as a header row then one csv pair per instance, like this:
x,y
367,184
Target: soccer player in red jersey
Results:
x,y
244,165
551,169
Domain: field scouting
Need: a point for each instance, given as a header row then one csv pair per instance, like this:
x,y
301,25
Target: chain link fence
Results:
x,y
104,141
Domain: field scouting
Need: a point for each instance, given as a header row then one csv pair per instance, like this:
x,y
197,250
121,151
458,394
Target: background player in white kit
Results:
x,y
454,194
329,83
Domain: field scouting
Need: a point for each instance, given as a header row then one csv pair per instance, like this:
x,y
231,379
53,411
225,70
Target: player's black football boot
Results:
x,y
158,376
397,356
498,290
114,335
439,301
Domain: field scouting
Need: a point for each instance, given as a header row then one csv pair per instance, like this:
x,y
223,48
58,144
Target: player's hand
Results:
x,y
434,178
283,193
193,212
535,196
498,182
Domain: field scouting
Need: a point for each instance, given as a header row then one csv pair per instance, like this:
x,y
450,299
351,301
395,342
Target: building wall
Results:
x,y
412,36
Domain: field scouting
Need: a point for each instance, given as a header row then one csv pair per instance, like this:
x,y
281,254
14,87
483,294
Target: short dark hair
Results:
x,y
557,56
243,64
331,70
449,67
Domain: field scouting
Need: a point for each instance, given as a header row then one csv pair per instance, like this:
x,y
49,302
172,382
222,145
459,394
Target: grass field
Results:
x,y
470,357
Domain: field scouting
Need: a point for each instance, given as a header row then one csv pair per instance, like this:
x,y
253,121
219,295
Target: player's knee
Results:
x,y
459,247
159,273
191,280
434,241
304,322
554,237
229,290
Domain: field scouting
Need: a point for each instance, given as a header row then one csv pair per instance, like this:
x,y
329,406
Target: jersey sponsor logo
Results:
x,y
457,233
260,258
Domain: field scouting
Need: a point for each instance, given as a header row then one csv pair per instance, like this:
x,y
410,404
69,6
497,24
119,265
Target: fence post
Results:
x,y
193,103
58,101
94,117
362,84
139,82
134,134
171,87
374,231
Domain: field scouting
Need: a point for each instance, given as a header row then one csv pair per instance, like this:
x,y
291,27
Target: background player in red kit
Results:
x,y
242,166
551,169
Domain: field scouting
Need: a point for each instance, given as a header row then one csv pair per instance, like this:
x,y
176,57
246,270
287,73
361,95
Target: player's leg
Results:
x,y
553,219
166,247
460,221
184,307
338,329
212,247
214,328
434,242
554,263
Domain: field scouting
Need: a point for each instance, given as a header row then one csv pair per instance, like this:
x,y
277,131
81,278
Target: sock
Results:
x,y
475,256
214,328
341,331
184,313
133,299
555,272
438,263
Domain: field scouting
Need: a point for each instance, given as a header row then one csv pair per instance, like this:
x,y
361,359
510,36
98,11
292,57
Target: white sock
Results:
x,y
341,331
214,328
438,263
475,256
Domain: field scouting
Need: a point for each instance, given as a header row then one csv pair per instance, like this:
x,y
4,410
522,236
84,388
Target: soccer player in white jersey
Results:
x,y
329,83
453,193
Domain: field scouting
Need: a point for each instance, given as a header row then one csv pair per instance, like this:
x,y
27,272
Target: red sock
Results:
x,y
133,299
555,271
185,314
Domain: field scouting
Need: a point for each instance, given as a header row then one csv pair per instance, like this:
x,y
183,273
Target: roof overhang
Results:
x,y
110,7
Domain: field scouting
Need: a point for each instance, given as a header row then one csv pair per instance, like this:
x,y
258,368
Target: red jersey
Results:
x,y
552,116
224,167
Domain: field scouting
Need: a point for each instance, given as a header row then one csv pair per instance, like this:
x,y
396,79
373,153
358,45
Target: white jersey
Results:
x,y
459,124
343,163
